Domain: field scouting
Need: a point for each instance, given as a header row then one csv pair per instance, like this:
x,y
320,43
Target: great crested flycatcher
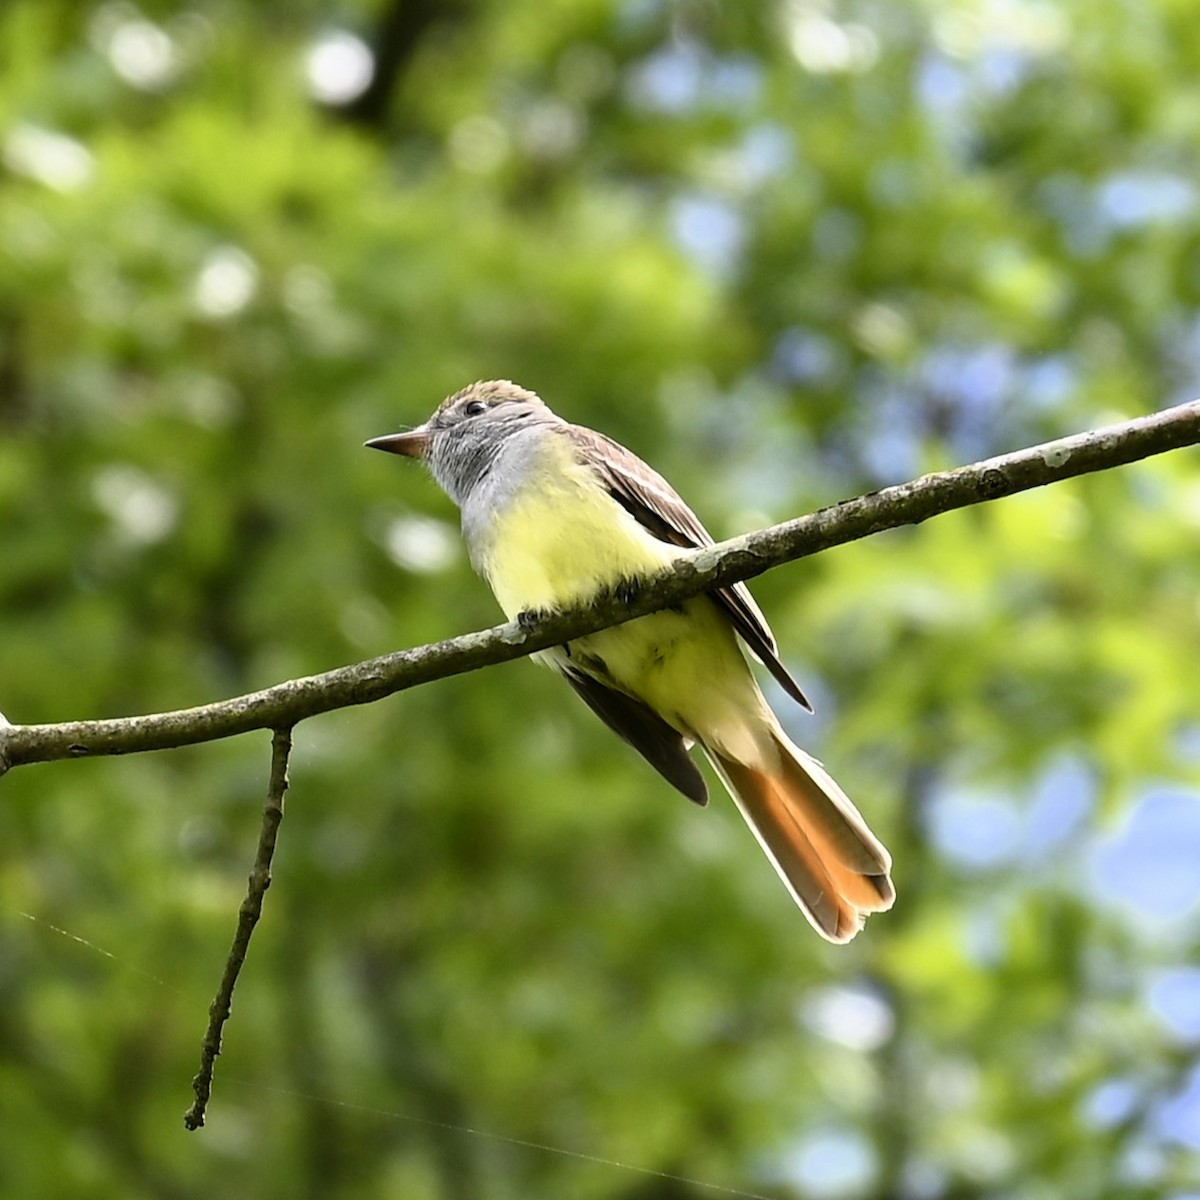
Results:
x,y
552,514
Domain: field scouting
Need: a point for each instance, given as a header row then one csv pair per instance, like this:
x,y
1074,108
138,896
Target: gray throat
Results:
x,y
511,467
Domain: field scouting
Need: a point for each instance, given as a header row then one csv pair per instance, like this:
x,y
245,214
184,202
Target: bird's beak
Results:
x,y
413,444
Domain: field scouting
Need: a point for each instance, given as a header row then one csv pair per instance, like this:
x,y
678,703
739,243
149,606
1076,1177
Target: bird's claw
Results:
x,y
628,590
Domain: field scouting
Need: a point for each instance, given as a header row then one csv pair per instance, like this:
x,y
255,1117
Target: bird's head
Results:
x,y
460,442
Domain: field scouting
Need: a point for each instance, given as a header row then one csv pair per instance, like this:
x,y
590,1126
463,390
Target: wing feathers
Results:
x,y
655,504
660,745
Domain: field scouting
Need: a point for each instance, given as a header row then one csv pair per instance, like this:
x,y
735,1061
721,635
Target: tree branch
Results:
x,y
248,914
739,558
397,37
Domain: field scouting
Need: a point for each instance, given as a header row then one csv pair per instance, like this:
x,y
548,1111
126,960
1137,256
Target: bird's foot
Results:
x,y
528,619
628,590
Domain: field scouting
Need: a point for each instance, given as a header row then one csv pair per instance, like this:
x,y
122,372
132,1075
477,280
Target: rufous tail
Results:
x,y
834,866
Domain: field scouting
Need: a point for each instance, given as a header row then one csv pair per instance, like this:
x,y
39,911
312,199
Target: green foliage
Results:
x,y
786,252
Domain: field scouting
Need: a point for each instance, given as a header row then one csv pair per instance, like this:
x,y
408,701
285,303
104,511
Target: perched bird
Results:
x,y
553,514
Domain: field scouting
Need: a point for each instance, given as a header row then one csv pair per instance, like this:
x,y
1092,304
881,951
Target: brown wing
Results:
x,y
660,745
655,504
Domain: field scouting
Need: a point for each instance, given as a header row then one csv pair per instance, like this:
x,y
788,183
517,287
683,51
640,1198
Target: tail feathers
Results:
x,y
833,865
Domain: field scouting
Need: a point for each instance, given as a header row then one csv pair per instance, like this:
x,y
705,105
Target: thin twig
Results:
x,y
248,914
720,565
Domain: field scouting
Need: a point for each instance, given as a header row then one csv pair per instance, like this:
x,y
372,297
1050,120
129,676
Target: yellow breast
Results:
x,y
563,538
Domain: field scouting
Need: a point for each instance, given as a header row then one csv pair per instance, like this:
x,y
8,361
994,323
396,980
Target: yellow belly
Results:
x,y
565,540
688,667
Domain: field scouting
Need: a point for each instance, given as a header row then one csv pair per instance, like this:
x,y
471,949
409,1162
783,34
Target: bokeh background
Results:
x,y
788,251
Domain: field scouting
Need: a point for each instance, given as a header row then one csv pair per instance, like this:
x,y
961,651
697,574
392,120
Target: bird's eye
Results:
x,y
475,408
